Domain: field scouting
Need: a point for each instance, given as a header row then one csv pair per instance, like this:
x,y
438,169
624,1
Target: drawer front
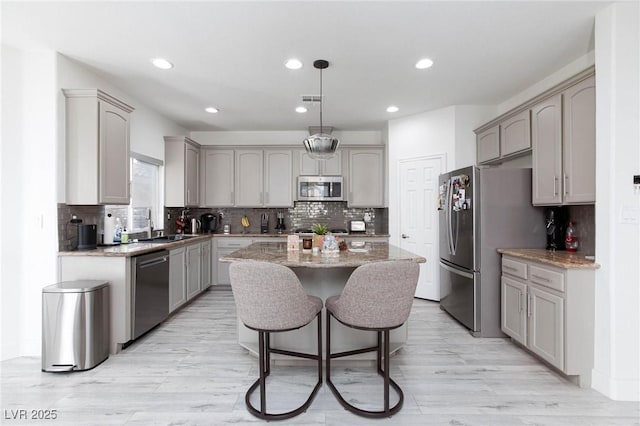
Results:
x,y
546,277
233,243
514,268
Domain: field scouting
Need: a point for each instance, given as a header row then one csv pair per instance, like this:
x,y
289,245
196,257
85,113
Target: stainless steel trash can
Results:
x,y
75,325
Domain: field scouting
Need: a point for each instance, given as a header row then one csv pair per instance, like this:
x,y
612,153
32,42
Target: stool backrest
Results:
x,y
379,295
268,296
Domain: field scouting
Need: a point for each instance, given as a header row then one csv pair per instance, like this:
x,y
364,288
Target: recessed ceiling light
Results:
x,y
293,64
392,108
211,110
424,63
301,110
162,63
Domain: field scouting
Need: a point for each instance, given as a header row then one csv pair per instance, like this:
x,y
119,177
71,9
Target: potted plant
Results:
x,y
319,231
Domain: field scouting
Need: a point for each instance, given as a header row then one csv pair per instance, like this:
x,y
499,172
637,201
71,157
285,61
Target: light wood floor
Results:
x,y
190,371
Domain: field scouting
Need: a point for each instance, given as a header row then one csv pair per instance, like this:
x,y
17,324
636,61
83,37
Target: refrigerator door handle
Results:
x,y
456,271
449,224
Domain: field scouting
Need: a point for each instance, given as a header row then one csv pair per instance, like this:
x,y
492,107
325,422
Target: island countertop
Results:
x,y
276,252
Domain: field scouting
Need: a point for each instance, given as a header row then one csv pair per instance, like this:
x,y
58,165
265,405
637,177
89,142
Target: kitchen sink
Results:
x,y
166,238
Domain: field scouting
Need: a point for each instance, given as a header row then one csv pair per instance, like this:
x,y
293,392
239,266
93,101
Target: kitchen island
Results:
x,y
321,275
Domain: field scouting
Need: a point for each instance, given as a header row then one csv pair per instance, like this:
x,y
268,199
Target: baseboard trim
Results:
x,y
615,389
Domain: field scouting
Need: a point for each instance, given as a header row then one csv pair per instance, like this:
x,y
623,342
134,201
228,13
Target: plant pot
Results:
x,y
318,240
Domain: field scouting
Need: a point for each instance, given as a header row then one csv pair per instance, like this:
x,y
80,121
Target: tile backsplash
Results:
x,y
303,215
584,219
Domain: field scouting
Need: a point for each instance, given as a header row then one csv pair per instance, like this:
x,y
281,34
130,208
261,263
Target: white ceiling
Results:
x,y
231,54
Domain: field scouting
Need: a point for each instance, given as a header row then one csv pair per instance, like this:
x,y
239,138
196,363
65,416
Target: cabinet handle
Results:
x,y
566,186
261,198
528,305
188,196
266,198
541,278
509,268
555,186
520,304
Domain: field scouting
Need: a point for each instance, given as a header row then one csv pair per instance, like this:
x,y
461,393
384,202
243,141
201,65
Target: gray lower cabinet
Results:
x,y
205,278
177,279
193,262
224,246
550,311
563,140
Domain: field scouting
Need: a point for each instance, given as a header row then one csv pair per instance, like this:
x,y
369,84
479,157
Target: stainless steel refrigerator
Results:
x,y
481,210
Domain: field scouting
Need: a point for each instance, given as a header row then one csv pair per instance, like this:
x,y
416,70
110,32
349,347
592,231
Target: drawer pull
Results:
x,y
510,268
541,278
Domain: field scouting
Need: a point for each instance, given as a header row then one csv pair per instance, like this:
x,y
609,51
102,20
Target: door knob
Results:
x,y
405,236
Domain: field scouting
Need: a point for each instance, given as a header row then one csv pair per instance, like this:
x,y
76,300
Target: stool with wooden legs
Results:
x,y
270,299
377,297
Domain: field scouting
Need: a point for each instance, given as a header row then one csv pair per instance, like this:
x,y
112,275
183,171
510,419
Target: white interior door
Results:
x,y
419,218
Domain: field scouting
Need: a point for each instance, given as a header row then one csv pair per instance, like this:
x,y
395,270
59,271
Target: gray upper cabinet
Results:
x,y
488,145
329,167
97,148
579,143
182,172
249,174
366,177
515,134
278,178
563,139
546,131
217,177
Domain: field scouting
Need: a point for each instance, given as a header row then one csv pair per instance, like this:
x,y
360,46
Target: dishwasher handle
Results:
x,y
152,262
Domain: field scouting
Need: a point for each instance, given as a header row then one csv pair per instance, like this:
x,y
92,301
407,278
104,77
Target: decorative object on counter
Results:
x,y
245,223
555,218
124,237
330,246
342,245
321,145
319,231
307,243
570,239
181,223
293,243
118,231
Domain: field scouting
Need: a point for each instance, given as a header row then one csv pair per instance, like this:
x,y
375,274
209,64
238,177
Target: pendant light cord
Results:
x,y
321,132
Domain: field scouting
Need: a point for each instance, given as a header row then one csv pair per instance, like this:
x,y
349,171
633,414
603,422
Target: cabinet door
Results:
x,y
193,270
192,175
546,140
205,279
278,179
366,178
114,155
224,247
579,149
177,283
546,326
514,314
515,134
249,178
329,167
217,177
488,145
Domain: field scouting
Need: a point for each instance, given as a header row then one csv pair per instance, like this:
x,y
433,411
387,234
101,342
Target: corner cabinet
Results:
x,y
550,311
217,177
181,171
97,148
366,177
563,138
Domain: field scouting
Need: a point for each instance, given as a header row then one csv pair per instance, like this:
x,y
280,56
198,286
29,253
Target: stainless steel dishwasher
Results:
x,y
150,292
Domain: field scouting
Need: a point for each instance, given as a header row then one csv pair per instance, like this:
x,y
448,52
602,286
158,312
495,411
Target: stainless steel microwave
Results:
x,y
320,188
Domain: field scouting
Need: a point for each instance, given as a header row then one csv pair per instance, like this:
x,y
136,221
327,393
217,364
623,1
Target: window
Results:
x,y
145,195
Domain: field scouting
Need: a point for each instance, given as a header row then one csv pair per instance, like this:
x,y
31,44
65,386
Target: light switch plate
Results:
x,y
630,215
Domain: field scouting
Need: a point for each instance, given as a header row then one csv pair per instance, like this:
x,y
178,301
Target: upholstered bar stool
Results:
x,y
377,297
269,298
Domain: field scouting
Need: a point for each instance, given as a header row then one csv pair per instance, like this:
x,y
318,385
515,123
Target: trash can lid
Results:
x,y
80,286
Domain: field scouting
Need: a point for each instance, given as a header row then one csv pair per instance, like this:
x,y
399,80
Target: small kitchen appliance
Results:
x,y
264,223
357,226
86,237
555,219
280,223
195,226
319,188
209,222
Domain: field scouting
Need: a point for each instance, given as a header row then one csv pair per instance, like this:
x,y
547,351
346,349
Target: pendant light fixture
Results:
x,y
321,145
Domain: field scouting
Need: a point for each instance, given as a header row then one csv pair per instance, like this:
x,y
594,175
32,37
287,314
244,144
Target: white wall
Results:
x,y
32,174
282,137
29,237
616,371
447,131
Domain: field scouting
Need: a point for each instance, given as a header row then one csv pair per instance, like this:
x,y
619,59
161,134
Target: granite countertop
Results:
x,y
285,235
561,259
134,249
276,252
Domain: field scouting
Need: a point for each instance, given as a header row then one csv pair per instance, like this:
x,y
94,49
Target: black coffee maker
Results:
x,y
209,222
556,222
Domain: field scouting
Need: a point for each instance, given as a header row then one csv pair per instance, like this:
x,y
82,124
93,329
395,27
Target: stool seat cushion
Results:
x,y
377,295
270,297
